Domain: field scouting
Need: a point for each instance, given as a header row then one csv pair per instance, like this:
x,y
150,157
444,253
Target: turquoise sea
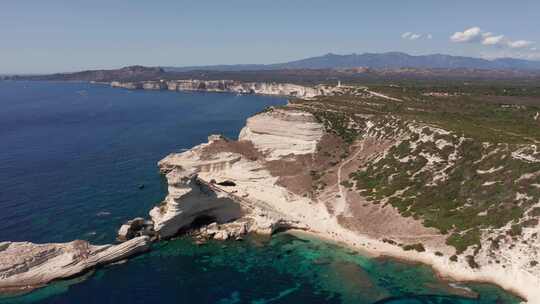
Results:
x,y
72,157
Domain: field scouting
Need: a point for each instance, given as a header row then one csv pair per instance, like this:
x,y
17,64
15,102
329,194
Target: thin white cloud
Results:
x,y
476,34
520,44
510,53
414,36
493,40
469,35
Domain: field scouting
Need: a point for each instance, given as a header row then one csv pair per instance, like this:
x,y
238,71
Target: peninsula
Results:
x,y
385,173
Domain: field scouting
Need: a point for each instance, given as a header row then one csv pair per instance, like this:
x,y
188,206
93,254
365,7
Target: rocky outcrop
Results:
x,y
199,186
25,266
134,228
260,224
189,199
210,178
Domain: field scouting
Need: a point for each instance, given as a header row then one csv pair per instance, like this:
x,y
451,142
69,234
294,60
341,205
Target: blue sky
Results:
x,y
49,36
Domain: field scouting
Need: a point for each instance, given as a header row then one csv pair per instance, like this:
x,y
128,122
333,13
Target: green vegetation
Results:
x,y
459,195
346,184
535,212
463,182
338,123
418,247
471,261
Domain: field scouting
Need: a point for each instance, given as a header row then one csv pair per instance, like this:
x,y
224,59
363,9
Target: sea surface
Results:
x,y
72,159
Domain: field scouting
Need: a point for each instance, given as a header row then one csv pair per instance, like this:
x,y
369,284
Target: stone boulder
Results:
x,y
135,227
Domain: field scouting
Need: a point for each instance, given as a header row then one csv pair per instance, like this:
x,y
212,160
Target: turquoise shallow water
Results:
x,y
72,156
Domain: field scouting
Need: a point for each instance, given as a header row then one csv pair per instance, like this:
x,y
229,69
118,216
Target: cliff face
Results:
x,y
281,133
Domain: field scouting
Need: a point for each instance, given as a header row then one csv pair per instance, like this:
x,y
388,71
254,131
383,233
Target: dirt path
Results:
x,y
514,134
383,96
341,202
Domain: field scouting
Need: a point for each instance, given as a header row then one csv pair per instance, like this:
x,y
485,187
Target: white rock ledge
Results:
x,y
25,266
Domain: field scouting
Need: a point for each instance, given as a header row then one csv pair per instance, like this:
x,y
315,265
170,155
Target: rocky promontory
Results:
x,y
25,266
295,167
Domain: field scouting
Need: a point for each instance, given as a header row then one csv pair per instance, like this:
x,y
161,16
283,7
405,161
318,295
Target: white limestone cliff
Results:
x,y
188,199
263,88
192,195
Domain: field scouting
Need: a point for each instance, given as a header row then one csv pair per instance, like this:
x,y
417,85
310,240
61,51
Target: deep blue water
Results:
x,y
72,156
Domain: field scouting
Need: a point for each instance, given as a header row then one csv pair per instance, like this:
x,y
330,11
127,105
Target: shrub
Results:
x,y
418,247
472,262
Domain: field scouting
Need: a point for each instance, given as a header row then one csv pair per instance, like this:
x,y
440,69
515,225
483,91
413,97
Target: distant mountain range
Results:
x,y
391,60
329,67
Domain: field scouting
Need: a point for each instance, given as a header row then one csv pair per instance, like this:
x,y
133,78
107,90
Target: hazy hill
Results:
x,y
378,61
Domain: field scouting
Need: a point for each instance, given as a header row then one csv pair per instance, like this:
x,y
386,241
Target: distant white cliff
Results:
x,y
231,86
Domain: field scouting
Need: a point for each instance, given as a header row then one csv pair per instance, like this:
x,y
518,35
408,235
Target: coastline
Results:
x,y
442,272
376,249
324,226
